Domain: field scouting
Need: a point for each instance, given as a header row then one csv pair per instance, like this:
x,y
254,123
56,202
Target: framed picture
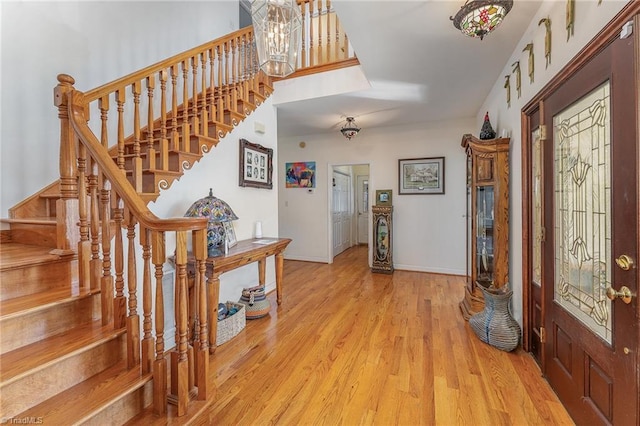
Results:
x,y
230,234
383,197
421,176
301,174
256,165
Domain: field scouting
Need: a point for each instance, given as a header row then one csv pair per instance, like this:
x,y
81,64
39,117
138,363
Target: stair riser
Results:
x,y
21,330
32,389
125,408
38,235
23,281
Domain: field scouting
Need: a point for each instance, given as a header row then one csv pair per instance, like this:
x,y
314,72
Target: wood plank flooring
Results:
x,y
348,347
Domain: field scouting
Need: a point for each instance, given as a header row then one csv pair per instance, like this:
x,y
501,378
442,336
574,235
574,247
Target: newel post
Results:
x,y
68,233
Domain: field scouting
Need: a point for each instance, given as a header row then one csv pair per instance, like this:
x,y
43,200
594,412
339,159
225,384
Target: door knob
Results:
x,y
624,262
624,294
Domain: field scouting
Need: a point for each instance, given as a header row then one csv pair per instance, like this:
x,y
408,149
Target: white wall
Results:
x,y
95,42
429,230
589,20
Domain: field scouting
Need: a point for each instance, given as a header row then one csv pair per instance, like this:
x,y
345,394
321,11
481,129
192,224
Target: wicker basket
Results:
x,y
229,327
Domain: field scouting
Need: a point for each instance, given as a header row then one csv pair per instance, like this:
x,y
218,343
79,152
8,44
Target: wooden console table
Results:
x,y
243,253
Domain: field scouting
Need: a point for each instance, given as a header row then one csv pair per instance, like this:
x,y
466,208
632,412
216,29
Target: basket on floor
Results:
x,y
255,301
232,325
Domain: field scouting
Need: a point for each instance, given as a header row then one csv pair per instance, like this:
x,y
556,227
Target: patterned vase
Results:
x,y
495,325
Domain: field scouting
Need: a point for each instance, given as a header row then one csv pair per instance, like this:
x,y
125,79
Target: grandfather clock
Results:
x,y
382,239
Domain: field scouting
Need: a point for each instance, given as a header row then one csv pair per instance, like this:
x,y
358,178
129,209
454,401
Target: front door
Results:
x,y
341,212
590,249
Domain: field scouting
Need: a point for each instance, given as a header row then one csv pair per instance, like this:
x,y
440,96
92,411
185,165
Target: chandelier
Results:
x,y
277,25
350,129
477,18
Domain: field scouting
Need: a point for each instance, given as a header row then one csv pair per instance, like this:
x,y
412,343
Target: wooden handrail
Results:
x,y
118,181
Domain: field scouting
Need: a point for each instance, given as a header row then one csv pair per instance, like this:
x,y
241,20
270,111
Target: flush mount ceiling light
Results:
x,y
477,18
350,129
277,25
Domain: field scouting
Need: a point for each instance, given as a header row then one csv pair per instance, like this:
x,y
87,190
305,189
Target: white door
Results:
x,y
362,207
341,212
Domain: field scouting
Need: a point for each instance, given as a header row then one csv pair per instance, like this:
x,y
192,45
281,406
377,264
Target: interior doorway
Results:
x,y
349,206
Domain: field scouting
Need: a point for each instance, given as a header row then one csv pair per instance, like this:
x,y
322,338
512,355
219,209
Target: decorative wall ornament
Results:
x,y
529,48
547,40
571,9
518,74
507,85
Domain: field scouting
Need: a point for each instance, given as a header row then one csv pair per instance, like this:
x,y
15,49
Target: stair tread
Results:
x,y
16,255
39,355
43,220
42,300
90,396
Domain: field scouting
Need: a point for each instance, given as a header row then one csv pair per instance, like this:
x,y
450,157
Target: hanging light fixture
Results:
x,y
217,212
350,129
277,25
477,18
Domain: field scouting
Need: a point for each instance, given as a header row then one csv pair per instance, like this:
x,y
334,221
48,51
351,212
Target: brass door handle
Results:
x,y
624,262
624,294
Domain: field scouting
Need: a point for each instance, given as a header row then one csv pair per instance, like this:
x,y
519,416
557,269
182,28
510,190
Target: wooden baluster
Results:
x,y
201,344
84,245
163,147
227,79
204,117
328,43
95,265
133,319
234,73
212,87
339,53
186,138
179,357
319,31
106,288
160,363
303,55
194,105
120,99
120,301
147,337
312,34
151,150
219,89
246,57
345,44
68,234
136,165
175,136
103,106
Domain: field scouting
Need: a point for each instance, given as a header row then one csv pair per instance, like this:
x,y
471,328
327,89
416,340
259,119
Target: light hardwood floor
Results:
x,y
348,347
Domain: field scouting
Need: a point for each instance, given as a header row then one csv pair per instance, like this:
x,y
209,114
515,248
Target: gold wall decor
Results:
x,y
547,40
571,10
507,85
516,71
529,48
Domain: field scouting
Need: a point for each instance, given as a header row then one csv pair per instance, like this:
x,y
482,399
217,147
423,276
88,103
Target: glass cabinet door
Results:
x,y
484,235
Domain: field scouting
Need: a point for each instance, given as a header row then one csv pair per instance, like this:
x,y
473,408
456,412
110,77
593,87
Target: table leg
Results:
x,y
279,273
214,296
262,267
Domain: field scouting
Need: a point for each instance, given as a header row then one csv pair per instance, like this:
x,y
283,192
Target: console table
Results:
x,y
243,253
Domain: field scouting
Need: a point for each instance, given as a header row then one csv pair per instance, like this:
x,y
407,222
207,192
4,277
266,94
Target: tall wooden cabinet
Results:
x,y
488,215
382,239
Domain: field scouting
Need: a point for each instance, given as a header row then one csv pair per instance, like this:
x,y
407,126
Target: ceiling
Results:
x,y
419,66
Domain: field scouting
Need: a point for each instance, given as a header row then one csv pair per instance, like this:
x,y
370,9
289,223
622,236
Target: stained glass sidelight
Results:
x,y
582,207
536,216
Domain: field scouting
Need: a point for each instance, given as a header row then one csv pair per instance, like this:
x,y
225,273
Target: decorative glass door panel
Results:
x,y
536,214
484,236
582,210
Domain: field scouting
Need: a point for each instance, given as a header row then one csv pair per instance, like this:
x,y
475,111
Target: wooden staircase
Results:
x,y
61,361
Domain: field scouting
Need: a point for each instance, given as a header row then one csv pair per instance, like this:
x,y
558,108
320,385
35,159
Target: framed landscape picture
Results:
x,y
421,176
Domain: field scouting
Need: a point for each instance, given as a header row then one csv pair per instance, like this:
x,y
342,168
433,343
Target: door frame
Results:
x,y
528,123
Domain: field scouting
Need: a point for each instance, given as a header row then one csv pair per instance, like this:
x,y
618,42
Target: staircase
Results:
x,y
81,340
64,357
